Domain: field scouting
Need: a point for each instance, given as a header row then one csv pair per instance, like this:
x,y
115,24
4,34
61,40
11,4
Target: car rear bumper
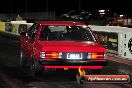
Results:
x,y
74,64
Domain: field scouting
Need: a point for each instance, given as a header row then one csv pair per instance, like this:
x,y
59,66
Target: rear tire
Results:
x,y
23,59
34,67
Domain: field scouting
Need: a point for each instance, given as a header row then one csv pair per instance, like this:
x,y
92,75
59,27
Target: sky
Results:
x,y
18,6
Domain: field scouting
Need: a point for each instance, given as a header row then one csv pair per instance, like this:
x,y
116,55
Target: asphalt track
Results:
x,y
13,76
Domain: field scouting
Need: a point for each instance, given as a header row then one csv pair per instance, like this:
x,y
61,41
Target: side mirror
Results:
x,y
23,33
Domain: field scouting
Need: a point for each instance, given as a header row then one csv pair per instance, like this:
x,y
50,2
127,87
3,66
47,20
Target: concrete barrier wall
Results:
x,y
2,26
14,27
117,40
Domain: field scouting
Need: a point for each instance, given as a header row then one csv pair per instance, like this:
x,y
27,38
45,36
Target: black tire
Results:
x,y
22,59
34,67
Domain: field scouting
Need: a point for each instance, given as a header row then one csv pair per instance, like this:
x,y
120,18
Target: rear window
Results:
x,y
70,33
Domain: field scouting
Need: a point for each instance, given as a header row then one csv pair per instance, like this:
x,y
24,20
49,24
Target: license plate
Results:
x,y
74,55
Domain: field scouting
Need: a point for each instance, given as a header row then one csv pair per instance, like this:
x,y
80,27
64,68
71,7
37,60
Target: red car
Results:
x,y
60,45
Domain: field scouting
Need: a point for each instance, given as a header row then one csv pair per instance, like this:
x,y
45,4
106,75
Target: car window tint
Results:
x,y
32,32
44,33
31,29
72,33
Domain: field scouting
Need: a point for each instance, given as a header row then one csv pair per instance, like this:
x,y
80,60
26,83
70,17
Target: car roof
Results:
x,y
61,23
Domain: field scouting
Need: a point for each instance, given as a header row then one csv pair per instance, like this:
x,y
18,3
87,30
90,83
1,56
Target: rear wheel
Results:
x,y
34,67
22,59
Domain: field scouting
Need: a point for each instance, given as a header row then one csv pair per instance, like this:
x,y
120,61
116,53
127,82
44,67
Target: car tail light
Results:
x,y
42,55
96,56
50,54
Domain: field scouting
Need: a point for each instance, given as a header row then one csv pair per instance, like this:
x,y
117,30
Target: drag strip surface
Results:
x,y
13,76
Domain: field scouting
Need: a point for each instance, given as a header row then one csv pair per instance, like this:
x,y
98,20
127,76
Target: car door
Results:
x,y
30,40
24,38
